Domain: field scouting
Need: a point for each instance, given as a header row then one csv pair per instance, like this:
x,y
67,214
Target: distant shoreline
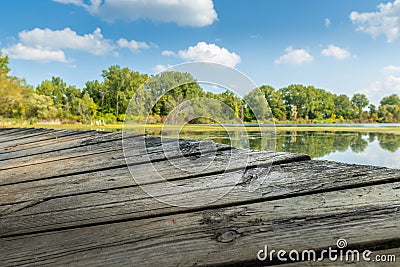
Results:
x,y
312,125
156,128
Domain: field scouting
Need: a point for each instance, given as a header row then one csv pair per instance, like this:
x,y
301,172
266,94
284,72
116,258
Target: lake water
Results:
x,y
369,148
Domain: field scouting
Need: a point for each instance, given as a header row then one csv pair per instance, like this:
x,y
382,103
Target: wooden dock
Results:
x,y
68,198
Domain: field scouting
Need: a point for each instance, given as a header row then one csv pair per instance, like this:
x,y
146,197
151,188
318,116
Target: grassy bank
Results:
x,y
199,128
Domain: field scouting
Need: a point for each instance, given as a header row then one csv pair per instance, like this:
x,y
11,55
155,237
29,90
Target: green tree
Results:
x,y
120,85
359,101
391,100
40,107
343,106
295,100
275,101
389,113
4,68
70,97
322,104
169,89
13,94
62,95
231,100
373,112
307,102
55,88
257,106
372,109
86,108
97,92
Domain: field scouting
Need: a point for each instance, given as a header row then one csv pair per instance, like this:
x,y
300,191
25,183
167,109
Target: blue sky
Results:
x,y
343,46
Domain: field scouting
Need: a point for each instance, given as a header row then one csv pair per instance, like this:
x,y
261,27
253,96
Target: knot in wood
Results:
x,y
213,216
189,147
226,236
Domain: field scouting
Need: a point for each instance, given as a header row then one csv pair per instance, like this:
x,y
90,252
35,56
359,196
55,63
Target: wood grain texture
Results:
x,y
220,236
146,173
38,212
72,200
58,139
43,152
39,135
7,133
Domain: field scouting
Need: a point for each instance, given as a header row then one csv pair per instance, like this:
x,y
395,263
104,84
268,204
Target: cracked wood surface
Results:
x,y
68,198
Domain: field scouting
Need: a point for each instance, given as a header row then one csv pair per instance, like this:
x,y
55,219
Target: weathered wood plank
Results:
x,y
72,135
7,140
71,207
68,147
99,141
364,216
22,187
82,207
31,148
4,132
96,162
15,140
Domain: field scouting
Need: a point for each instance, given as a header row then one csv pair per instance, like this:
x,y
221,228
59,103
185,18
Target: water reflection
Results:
x,y
379,149
319,144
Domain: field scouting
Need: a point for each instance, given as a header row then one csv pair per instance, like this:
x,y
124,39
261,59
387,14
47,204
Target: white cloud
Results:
x,y
160,67
391,69
46,45
195,13
393,81
335,51
132,45
210,52
67,39
92,7
74,2
378,89
327,22
387,85
20,51
385,21
168,53
392,77
294,57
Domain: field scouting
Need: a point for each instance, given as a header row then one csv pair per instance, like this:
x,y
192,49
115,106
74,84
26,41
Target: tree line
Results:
x,y
107,100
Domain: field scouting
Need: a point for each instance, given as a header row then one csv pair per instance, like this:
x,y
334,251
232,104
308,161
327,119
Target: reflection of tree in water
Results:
x,y
319,144
342,141
372,137
390,142
358,144
315,144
